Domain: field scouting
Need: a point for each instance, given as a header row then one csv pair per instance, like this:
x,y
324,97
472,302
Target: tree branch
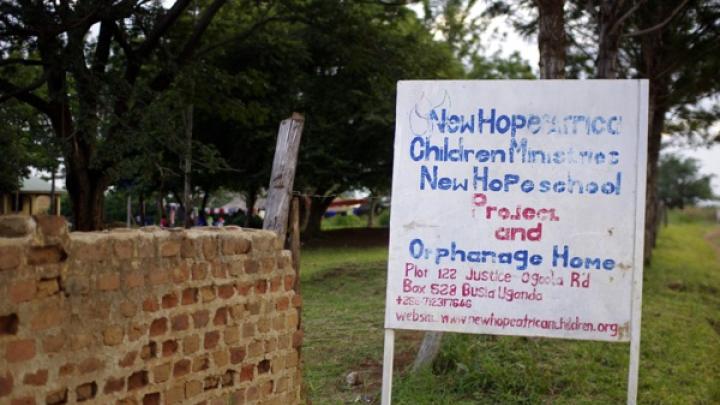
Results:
x,y
165,77
200,28
659,26
618,23
25,94
243,35
161,27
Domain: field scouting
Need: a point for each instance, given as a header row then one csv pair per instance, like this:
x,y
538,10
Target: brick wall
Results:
x,y
150,316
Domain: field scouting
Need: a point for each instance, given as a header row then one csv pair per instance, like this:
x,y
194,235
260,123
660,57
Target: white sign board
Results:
x,y
518,208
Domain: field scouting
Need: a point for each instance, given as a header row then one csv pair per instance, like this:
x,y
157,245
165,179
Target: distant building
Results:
x,y
31,199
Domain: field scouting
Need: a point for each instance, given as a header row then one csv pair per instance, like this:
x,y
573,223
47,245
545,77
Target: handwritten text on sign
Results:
x,y
513,208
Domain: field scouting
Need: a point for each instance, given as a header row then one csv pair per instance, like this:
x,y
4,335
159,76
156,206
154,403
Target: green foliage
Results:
x,y
344,221
497,67
680,182
15,156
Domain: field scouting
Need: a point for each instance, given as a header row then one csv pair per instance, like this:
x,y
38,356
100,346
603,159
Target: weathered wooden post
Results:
x,y
283,175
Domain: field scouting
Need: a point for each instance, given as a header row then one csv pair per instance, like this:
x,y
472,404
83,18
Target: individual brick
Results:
x,y
189,296
150,304
123,248
86,391
127,309
66,369
282,304
10,257
39,378
137,380
180,322
251,266
181,273
226,291
158,277
237,354
181,367
20,350
113,335
90,365
188,248
247,373
80,341
199,271
191,344
275,284
114,385
47,318
200,363
221,316
161,373
221,358
169,300
134,279
193,388
40,255
211,339
169,347
207,293
6,383
57,397
261,286
51,225
108,282
231,335
175,395
129,359
152,398
22,290
170,248
210,248
201,318
158,327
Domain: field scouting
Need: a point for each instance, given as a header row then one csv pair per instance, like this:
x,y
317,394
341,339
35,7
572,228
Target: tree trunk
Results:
x,y
53,198
250,199
371,212
551,38
652,66
305,203
187,202
88,198
655,128
141,203
88,208
85,186
610,28
317,209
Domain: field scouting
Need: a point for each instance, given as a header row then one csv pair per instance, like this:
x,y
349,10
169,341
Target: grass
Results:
x,y
344,292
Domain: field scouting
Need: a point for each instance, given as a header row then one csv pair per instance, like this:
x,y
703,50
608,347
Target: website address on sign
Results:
x,y
568,323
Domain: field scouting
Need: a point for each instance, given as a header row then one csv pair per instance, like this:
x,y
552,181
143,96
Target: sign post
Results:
x,y
522,211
